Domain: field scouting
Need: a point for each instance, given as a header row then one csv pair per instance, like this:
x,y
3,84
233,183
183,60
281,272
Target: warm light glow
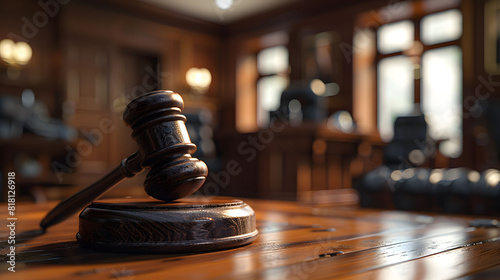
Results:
x,y
15,53
318,87
492,177
199,79
7,50
224,4
408,173
436,176
321,89
396,175
474,176
23,53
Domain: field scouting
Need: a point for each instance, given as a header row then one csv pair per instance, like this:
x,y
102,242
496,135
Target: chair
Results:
x,y
409,145
492,113
311,106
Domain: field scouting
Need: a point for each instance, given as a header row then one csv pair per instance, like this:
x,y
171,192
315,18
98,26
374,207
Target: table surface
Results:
x,y
296,241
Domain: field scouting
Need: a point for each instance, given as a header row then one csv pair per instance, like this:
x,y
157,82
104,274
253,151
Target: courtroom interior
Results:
x,y
250,139
308,101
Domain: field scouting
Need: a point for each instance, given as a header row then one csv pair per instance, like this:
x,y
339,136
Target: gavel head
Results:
x,y
160,131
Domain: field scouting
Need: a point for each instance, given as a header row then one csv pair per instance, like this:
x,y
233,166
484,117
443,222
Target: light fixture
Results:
x,y
199,79
7,50
224,4
15,54
23,53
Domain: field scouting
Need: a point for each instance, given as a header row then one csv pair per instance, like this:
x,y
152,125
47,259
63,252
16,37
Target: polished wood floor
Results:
x,y
296,241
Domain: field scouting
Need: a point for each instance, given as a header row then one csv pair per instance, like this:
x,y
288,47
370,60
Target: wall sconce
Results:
x,y
15,54
199,79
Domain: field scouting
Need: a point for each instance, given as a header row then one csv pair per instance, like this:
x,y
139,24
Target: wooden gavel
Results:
x,y
164,146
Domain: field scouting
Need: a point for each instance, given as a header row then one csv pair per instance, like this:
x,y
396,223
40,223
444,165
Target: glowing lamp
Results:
x,y
199,79
15,54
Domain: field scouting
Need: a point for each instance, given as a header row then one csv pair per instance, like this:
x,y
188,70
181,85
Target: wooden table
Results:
x,y
296,241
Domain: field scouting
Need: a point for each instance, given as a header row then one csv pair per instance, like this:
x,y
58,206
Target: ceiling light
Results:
x,y
224,4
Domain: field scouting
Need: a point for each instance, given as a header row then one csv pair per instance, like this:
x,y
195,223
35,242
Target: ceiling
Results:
x,y
209,11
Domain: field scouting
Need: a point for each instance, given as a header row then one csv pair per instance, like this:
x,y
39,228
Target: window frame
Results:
x,y
285,74
417,31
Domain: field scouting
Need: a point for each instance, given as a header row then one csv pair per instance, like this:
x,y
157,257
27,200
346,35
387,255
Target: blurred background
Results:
x,y
288,99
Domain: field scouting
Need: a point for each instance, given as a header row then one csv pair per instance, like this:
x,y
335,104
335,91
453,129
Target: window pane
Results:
x,y
395,37
441,27
395,92
272,60
269,91
442,97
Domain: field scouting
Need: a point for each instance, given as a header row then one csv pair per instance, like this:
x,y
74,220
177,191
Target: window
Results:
x,y
394,37
424,75
395,87
442,98
441,27
272,66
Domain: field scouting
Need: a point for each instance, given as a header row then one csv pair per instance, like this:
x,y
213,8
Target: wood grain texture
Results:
x,y
160,131
296,241
152,226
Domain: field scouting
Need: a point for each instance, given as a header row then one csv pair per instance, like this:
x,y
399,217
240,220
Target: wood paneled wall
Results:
x,y
128,55
91,58
83,55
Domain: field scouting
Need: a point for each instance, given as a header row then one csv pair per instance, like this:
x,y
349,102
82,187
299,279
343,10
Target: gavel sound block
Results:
x,y
149,226
167,222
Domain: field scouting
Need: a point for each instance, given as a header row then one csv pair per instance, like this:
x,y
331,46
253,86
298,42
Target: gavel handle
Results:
x,y
129,167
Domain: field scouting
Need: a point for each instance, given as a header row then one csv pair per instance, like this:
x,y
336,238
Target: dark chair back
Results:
x,y
410,133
